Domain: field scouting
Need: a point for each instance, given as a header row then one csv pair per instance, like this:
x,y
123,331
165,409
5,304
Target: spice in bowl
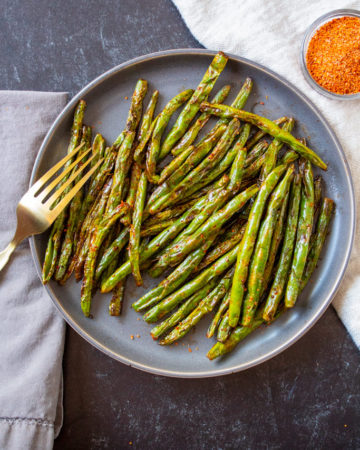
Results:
x,y
333,56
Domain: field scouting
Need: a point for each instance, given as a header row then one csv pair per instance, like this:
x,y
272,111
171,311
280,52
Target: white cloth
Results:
x,y
31,331
271,33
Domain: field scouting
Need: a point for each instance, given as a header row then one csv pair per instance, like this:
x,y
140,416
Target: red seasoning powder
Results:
x,y
333,56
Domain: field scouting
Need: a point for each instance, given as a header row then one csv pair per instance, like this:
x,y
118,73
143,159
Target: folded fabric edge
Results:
x,y
37,432
29,421
33,92
346,302
59,416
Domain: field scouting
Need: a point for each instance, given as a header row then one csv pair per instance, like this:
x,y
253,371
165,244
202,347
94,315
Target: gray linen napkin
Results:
x,y
31,331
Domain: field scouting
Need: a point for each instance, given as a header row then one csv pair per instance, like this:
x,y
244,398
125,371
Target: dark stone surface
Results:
x,y
307,397
61,45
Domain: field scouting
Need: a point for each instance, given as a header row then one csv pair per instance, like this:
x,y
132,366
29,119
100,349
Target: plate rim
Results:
x,y
211,372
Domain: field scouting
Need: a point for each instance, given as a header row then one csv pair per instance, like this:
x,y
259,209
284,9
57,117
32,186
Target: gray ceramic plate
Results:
x,y
170,72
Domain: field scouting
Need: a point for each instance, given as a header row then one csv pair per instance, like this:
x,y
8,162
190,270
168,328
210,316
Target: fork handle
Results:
x,y
5,254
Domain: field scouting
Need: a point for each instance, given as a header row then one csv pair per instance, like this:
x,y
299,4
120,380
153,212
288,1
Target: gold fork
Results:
x,y
35,213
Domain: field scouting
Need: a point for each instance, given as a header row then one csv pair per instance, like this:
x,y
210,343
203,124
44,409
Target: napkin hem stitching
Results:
x,y
28,421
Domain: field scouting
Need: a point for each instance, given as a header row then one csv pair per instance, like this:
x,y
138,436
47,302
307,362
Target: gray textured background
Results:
x,y
307,397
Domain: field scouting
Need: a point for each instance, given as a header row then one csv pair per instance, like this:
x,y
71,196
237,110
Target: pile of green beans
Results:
x,y
233,216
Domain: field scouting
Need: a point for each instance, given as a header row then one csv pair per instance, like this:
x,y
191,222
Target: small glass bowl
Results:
x,y
304,47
